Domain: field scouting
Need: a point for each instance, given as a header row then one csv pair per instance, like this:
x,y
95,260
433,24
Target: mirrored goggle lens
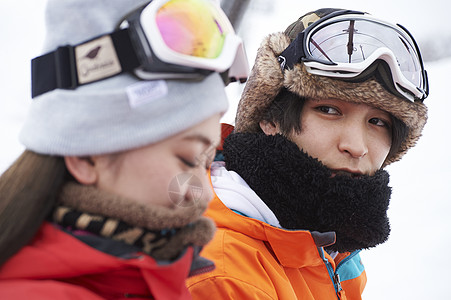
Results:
x,y
192,27
352,41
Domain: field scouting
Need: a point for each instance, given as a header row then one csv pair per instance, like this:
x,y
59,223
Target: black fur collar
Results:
x,y
302,194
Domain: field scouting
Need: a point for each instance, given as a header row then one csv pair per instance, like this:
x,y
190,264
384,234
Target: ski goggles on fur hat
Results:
x,y
165,39
353,46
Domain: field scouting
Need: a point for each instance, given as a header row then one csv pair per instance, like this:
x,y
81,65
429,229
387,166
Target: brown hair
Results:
x,y
28,191
286,111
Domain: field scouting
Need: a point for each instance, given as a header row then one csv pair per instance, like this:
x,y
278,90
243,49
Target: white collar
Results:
x,y
236,194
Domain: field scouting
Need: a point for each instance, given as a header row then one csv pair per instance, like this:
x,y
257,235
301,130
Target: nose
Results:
x,y
353,140
204,188
207,190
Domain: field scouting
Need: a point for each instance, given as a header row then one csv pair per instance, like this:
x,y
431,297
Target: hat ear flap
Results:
x,y
264,83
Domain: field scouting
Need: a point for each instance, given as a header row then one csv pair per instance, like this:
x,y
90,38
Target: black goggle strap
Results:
x,y
425,89
61,68
293,53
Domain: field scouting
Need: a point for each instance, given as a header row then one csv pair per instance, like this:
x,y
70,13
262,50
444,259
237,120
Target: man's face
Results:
x,y
345,136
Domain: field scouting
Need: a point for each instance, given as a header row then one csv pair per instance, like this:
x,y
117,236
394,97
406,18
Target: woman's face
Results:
x,y
345,136
169,173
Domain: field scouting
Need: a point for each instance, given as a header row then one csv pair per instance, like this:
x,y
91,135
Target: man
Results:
x,y
329,103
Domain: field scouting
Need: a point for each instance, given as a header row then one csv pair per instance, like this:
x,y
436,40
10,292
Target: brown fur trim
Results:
x,y
92,200
194,229
267,79
200,233
264,83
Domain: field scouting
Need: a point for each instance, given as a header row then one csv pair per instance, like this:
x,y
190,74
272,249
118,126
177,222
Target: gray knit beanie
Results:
x,y
111,115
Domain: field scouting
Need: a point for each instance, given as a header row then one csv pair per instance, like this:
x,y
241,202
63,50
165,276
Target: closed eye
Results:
x,y
187,162
192,165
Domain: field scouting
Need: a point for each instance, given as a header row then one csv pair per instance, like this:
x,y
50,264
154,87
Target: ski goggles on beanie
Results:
x,y
353,46
165,39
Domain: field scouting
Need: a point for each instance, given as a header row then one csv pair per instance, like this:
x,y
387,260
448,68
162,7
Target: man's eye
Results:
x,y
328,110
379,122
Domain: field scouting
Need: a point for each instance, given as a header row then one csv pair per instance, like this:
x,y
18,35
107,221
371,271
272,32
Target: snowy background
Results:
x,y
413,264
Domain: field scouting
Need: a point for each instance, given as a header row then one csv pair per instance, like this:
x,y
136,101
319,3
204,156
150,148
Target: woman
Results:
x,y
106,202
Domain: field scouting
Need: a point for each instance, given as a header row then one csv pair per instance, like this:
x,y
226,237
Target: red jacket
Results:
x,y
255,260
56,265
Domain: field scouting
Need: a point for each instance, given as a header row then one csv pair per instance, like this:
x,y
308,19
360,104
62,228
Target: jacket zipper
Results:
x,y
201,270
333,276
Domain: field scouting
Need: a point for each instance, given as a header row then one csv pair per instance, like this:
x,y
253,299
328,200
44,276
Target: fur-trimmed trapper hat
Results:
x,y
267,79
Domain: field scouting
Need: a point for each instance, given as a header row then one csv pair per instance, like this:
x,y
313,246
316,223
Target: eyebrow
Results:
x,y
200,138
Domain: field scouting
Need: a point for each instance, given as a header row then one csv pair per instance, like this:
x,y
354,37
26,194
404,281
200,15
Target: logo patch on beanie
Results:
x,y
144,92
96,60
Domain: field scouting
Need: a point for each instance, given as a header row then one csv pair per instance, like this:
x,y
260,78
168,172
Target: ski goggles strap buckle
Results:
x,y
293,53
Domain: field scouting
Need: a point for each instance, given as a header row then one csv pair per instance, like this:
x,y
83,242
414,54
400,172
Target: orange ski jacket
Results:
x,y
255,260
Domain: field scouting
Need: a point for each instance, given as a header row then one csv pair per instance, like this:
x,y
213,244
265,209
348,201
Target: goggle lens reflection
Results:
x,y
192,27
352,41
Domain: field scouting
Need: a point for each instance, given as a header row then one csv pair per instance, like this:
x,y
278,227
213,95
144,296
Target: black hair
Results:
x,y
285,111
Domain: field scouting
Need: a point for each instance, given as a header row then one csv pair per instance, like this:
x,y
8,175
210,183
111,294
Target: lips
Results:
x,y
347,173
